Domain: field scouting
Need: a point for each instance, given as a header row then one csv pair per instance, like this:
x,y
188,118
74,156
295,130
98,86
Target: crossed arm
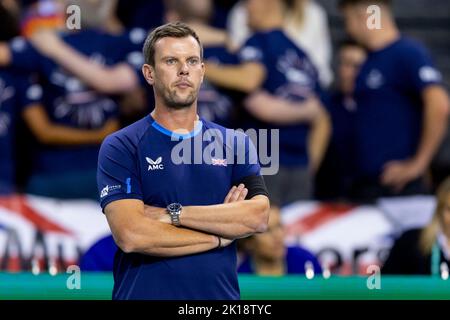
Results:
x,y
147,230
48,132
116,79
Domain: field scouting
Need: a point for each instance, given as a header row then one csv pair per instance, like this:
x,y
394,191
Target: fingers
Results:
x,y
236,194
230,193
243,194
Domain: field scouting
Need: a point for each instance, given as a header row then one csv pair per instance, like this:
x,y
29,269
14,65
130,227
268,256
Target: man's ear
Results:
x,y
204,70
148,72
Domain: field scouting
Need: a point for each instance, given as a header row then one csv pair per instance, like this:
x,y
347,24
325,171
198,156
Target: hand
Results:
x,y
157,214
397,174
46,41
236,194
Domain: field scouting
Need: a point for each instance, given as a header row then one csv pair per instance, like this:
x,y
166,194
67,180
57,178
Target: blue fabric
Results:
x,y
136,163
389,104
16,93
99,257
296,258
216,104
289,74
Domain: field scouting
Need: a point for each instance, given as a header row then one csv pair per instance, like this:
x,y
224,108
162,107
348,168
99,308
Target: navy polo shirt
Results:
x,y
147,162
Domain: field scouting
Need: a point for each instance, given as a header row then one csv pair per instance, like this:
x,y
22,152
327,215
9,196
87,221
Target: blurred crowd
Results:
x,y
364,127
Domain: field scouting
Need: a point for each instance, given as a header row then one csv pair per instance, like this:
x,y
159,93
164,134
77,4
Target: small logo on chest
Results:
x,y
219,162
154,164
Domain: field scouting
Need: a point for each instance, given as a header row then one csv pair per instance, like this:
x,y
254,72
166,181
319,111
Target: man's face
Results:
x,y
351,58
256,12
200,9
178,71
355,17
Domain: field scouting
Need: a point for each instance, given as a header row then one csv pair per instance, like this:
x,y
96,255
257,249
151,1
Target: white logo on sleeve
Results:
x,y
250,53
429,74
104,192
375,79
154,164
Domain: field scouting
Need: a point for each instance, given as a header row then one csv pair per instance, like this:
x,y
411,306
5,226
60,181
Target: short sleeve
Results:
x,y
252,51
117,173
24,56
420,69
246,158
29,93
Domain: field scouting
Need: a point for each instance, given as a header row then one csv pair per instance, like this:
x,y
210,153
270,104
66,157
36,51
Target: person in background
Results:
x,y
266,254
79,74
283,94
21,98
427,250
335,176
305,22
214,103
402,107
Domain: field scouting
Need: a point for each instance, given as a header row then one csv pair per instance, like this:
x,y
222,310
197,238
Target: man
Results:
x,y
335,176
283,87
72,99
168,218
402,106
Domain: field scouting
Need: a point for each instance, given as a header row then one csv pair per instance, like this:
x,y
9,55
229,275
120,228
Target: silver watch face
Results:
x,y
174,207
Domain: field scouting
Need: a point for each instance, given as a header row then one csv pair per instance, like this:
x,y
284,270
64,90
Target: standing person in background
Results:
x,y
402,107
335,176
427,250
20,97
214,103
283,93
79,75
305,22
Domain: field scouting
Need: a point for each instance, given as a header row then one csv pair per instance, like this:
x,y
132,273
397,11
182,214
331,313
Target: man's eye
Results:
x,y
170,61
193,61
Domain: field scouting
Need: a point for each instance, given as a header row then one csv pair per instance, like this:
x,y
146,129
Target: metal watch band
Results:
x,y
175,217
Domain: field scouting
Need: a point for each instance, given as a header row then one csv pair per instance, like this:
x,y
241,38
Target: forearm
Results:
x,y
48,132
238,77
61,135
318,140
94,74
267,107
230,220
164,240
5,54
434,126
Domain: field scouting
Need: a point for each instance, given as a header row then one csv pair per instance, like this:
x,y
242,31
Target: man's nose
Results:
x,y
184,69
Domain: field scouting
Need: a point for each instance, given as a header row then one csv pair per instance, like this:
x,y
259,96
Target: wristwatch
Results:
x,y
174,210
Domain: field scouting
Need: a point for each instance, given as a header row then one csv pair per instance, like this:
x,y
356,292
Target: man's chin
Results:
x,y
180,104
